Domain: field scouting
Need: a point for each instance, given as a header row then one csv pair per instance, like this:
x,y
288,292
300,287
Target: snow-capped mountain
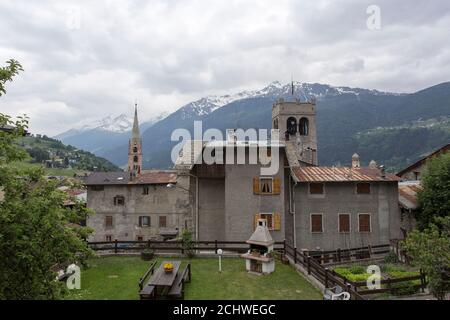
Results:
x,y
302,91
121,123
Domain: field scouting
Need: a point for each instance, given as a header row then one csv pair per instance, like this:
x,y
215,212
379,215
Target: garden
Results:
x,y
117,277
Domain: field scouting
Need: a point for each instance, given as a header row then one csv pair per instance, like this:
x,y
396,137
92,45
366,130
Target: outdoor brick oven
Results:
x,y
259,258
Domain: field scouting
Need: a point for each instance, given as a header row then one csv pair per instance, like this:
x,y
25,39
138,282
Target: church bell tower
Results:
x,y
135,148
296,122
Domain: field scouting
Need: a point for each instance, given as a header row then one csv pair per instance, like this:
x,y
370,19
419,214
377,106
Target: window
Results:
x,y
303,126
364,222
144,221
291,125
108,221
416,175
135,159
363,188
119,200
145,190
316,188
108,238
97,188
344,223
275,124
162,221
316,222
269,218
265,185
135,149
140,238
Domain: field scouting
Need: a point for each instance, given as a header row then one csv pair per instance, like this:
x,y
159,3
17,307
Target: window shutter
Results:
x,y
256,185
140,221
276,185
276,221
255,220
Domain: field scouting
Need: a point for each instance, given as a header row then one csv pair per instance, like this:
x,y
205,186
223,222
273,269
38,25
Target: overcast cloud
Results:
x,y
87,59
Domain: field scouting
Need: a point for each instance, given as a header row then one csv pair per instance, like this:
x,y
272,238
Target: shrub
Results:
x,y
147,254
357,269
188,244
391,257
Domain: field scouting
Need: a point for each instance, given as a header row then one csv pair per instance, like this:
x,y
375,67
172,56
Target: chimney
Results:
x,y
355,161
372,164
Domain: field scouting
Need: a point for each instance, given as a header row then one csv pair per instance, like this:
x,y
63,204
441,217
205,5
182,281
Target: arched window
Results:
x,y
135,158
291,125
303,126
275,124
135,149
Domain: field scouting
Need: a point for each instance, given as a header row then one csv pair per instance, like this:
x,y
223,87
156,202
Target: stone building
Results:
x,y
312,207
137,204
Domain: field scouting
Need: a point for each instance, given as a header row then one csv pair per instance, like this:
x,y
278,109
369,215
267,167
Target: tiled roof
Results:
x,y
340,174
418,163
121,178
407,194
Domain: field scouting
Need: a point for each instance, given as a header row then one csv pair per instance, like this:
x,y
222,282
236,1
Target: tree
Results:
x,y
35,232
430,250
7,73
434,198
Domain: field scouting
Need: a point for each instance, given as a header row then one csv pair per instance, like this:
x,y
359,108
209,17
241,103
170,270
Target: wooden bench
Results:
x,y
147,292
177,290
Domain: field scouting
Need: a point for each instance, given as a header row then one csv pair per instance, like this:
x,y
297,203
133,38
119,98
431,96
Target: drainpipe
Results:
x,y
292,200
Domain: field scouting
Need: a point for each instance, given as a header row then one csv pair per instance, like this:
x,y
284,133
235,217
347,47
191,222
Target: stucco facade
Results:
x,y
172,204
341,198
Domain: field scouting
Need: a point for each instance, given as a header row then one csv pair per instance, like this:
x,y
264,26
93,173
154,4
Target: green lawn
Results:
x,y
117,278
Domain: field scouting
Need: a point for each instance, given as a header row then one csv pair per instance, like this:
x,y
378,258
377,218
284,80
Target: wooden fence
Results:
x,y
314,262
320,272
117,246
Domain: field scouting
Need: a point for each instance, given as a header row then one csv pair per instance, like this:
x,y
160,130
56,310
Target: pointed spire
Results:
x,y
136,134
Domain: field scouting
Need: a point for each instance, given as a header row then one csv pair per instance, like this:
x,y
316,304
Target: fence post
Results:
x,y
115,245
149,244
339,254
309,264
388,282
284,246
182,247
369,248
295,255
422,280
326,277
215,246
349,289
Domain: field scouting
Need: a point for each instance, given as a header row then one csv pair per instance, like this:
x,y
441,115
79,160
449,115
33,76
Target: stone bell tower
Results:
x,y
296,122
135,148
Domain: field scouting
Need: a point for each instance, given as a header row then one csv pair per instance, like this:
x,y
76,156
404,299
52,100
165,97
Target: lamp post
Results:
x,y
219,252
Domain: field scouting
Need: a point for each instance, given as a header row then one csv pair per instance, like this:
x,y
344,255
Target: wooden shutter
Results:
x,y
256,185
316,223
344,223
108,221
140,221
364,223
276,186
255,220
276,221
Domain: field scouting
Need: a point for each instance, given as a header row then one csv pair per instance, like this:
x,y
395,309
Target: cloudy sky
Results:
x,y
84,60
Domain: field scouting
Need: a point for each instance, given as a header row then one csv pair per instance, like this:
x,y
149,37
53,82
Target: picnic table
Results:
x,y
165,284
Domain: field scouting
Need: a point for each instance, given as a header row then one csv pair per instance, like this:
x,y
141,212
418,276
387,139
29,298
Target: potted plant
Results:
x,y
168,267
147,254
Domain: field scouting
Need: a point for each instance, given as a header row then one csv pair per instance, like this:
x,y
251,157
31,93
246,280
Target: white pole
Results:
x,y
219,252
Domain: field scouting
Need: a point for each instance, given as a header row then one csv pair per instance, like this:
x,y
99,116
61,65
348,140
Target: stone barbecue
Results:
x,y
259,258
